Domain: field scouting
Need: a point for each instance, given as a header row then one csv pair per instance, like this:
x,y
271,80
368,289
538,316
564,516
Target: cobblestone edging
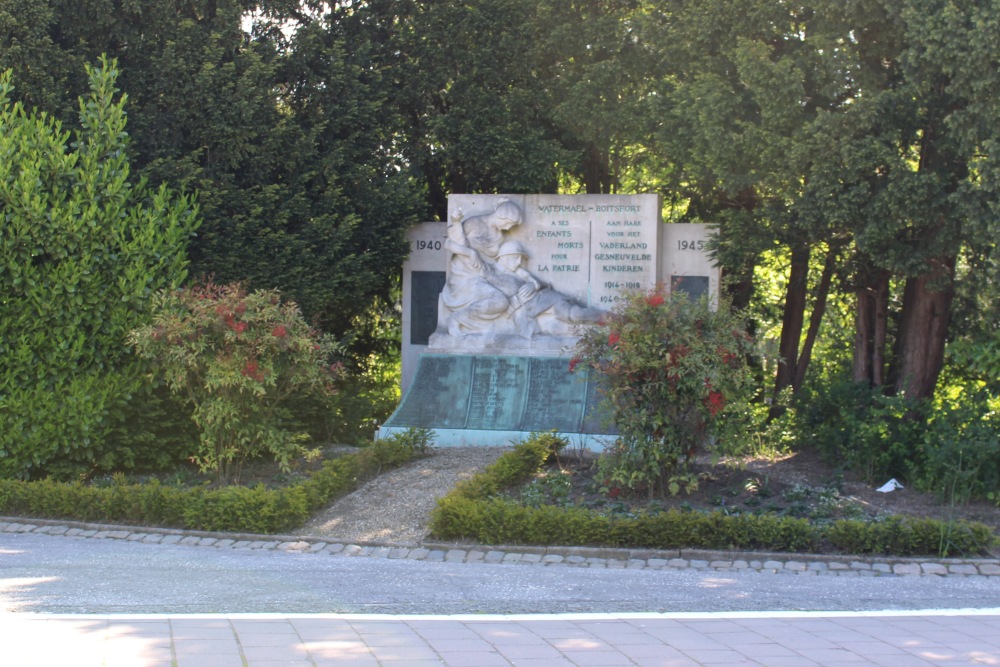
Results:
x,y
631,559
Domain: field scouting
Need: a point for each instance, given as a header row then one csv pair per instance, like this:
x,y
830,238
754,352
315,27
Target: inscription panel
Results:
x,y
439,395
556,398
590,247
496,395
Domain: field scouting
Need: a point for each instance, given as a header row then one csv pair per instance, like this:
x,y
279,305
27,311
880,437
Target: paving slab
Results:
x,y
258,640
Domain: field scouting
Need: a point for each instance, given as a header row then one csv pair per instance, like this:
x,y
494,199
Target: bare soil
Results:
x,y
799,484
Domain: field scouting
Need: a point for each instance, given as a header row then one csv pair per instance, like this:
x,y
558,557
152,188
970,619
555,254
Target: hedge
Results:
x,y
229,509
475,511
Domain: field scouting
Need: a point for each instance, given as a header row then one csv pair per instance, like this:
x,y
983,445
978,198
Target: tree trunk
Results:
x,y
793,317
871,313
881,304
596,171
815,318
922,329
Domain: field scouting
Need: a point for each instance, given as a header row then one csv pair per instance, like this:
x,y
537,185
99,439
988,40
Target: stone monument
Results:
x,y
495,300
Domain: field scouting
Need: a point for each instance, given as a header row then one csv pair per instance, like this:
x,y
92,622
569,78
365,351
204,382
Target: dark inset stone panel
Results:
x,y
425,288
694,286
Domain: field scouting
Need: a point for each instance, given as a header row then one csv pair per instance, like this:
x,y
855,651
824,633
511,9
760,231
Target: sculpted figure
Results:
x,y
529,298
485,233
472,302
489,291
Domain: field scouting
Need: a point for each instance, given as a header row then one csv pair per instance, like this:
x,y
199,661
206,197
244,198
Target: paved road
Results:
x,y
51,574
82,602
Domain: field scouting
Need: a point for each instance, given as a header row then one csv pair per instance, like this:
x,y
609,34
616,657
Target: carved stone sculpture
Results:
x,y
490,294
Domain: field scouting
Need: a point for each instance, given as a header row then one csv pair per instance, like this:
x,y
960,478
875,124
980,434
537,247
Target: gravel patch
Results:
x,y
396,506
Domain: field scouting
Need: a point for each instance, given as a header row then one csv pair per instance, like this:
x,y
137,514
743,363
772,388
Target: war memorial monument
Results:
x,y
495,298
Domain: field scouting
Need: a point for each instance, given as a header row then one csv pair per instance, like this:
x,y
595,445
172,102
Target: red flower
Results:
x,y
239,327
727,356
715,401
614,338
678,353
279,331
573,363
614,492
252,371
654,300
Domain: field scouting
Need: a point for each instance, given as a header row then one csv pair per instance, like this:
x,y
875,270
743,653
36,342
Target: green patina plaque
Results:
x,y
500,393
496,393
439,395
555,398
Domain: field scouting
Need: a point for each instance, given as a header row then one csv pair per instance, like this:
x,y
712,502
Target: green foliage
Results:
x,y
411,443
367,394
475,511
82,249
675,374
156,433
462,506
911,537
950,446
285,131
236,357
234,509
958,456
514,467
859,427
549,489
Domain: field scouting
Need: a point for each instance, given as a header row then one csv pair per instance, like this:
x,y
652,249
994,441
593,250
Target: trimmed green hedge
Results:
x,y
474,511
230,509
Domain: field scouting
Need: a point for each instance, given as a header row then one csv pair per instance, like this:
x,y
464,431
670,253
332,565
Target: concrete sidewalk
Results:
x,y
796,639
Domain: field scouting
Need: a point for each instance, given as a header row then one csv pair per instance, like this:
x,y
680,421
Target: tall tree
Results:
x,y
918,150
466,84
596,73
298,187
743,85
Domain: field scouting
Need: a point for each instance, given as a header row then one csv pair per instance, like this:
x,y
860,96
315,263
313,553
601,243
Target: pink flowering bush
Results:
x,y
236,356
676,376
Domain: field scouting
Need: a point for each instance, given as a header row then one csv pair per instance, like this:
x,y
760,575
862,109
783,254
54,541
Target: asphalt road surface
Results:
x,y
57,574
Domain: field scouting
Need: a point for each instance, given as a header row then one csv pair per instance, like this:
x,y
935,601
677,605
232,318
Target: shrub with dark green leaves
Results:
x,y
82,248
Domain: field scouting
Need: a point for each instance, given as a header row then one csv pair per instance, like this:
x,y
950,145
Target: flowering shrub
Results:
x,y
676,376
236,356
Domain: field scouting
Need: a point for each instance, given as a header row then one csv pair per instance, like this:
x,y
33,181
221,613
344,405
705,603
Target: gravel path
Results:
x,y
396,506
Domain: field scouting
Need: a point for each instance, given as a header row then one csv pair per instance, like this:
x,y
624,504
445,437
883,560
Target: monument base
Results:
x,y
480,399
